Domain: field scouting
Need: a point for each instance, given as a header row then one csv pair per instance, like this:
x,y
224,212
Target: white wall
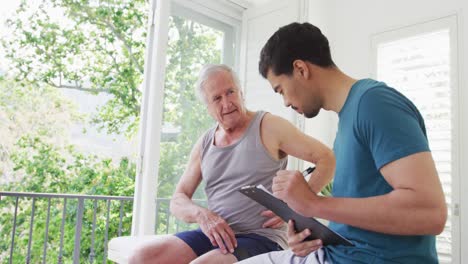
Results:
x,y
259,23
323,126
350,25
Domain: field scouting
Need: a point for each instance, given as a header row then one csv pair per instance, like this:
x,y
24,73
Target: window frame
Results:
x,y
147,174
229,30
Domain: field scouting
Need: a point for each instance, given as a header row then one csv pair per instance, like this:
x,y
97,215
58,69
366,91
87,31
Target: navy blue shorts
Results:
x,y
248,245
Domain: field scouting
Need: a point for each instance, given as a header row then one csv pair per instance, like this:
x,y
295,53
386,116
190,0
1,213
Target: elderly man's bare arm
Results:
x,y
282,138
182,206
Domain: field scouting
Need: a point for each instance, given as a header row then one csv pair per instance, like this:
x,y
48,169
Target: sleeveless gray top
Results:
x,y
227,169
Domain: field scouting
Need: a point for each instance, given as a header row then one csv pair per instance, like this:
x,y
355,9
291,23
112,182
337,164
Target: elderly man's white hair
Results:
x,y
206,72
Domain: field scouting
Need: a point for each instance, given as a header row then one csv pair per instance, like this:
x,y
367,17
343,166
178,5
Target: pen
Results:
x,y
308,171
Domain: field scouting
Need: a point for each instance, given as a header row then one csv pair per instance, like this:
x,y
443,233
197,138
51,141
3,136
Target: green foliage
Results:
x,y
22,110
96,48
100,48
80,45
55,170
327,190
193,46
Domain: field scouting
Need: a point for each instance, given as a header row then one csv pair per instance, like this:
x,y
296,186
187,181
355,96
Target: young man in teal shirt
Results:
x,y
387,197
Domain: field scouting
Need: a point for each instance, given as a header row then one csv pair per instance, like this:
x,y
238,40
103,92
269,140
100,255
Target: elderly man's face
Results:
x,y
224,99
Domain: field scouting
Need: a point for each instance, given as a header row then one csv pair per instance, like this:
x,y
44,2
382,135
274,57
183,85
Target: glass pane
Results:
x,y
79,72
69,115
185,118
191,45
419,67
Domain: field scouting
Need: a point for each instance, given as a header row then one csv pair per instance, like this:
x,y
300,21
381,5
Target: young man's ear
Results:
x,y
300,67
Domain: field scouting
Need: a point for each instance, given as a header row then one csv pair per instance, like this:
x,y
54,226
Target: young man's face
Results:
x,y
296,91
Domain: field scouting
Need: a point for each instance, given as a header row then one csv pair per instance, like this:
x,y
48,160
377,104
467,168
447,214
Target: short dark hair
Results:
x,y
291,42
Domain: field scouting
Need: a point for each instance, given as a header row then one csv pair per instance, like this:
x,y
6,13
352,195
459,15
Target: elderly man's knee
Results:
x,y
215,257
147,252
167,249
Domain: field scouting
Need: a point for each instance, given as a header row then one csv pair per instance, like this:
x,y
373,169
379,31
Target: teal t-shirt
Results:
x,y
377,125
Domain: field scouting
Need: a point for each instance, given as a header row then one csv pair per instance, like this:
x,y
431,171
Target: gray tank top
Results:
x,y
227,169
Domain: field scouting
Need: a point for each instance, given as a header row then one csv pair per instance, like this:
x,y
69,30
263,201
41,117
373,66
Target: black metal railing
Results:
x,y
88,220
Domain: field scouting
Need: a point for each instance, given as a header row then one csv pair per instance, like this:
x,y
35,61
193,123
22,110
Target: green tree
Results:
x,y
71,44
96,48
193,47
63,170
100,48
22,111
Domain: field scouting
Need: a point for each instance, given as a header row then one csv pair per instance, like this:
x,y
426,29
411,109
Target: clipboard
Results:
x,y
281,209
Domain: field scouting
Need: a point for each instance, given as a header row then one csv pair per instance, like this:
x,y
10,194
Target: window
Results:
x,y
194,40
78,73
420,62
75,91
70,73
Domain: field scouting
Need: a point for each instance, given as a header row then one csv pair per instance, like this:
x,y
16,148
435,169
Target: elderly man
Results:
x,y
244,148
387,197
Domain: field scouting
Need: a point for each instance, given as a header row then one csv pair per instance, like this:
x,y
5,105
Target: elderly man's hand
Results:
x,y
297,244
274,221
217,230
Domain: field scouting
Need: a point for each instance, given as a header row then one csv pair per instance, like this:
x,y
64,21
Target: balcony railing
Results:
x,y
68,228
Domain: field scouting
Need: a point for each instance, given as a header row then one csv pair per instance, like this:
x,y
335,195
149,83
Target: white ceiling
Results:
x,y
248,3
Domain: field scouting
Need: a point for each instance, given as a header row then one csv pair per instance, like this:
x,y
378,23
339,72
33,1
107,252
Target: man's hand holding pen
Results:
x,y
273,220
292,188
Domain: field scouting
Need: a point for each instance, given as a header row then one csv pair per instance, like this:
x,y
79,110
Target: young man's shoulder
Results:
x,y
369,89
378,96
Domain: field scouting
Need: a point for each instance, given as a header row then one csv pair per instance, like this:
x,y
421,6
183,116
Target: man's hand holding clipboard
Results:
x,y
298,241
300,223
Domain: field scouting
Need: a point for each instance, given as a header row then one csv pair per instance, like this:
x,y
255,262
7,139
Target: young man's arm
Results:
x,y
182,206
416,206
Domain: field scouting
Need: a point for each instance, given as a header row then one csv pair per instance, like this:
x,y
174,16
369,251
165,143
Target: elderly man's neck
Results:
x,y
227,135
